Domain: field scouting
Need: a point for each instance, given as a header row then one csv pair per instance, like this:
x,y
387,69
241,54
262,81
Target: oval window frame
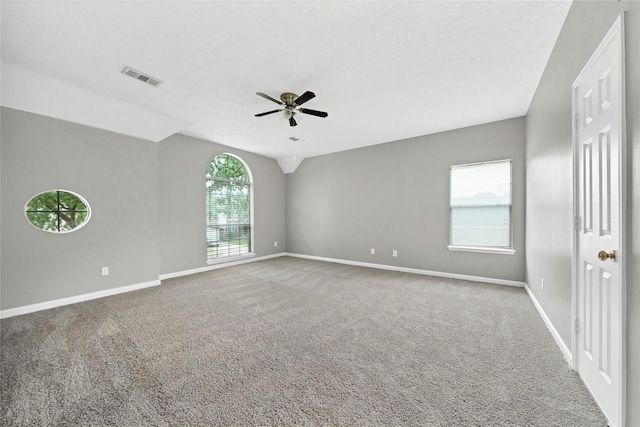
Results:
x,y
73,193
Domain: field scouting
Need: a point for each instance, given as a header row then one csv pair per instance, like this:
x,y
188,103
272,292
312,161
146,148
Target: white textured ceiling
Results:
x,y
382,70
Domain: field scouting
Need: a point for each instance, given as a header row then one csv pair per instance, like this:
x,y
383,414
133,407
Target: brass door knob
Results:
x,y
604,256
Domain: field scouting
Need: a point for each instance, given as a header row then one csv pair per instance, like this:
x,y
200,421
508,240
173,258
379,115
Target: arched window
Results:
x,y
228,205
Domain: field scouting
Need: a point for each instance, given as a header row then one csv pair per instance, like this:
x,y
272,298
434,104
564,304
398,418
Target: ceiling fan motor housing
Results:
x,y
288,98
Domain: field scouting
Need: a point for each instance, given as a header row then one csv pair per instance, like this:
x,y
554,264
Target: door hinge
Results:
x,y
576,223
575,121
576,328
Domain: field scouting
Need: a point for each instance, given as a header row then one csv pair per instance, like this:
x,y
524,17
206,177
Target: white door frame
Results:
x,y
616,31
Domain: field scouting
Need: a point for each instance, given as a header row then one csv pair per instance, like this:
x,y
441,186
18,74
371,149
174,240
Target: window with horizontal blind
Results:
x,y
228,205
480,207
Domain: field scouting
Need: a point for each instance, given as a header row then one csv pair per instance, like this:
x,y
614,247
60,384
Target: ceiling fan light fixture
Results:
x,y
291,103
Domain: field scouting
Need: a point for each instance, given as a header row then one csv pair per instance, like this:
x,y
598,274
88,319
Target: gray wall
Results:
x,y
395,196
114,173
390,196
147,201
549,174
182,166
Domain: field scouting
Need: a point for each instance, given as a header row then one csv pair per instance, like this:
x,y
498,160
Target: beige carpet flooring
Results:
x,y
290,341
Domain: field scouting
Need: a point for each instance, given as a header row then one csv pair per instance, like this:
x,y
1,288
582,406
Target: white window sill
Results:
x,y
486,250
228,259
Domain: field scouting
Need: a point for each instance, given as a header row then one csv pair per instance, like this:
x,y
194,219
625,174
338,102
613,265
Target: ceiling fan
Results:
x,y
291,103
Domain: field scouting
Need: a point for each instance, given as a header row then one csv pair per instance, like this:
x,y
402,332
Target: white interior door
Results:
x,y
599,310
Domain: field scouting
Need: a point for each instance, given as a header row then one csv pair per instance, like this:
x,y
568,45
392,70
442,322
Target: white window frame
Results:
x,y
502,250
56,213
251,253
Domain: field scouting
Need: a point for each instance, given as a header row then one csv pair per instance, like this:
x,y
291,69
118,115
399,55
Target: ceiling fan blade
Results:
x,y
304,98
292,122
268,97
268,112
313,112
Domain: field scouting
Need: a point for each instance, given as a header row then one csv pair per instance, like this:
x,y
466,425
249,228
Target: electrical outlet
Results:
x,y
373,251
395,253
275,244
104,271
542,284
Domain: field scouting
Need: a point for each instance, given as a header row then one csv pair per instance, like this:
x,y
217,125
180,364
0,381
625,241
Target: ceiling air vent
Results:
x,y
141,76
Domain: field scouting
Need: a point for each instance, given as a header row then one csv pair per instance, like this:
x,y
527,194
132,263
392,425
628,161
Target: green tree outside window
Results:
x,y
228,205
57,211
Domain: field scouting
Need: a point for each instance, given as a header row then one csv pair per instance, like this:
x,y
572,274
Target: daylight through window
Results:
x,y
228,204
480,205
57,211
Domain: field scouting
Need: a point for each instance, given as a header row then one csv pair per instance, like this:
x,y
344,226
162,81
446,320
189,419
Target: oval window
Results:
x,y
57,211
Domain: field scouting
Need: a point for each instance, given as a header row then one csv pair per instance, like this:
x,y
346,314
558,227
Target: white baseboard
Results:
x,y
108,292
100,294
556,336
217,266
75,299
17,311
413,270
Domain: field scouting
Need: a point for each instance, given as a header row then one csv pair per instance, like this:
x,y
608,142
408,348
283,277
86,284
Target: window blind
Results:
x,y
228,218
480,205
